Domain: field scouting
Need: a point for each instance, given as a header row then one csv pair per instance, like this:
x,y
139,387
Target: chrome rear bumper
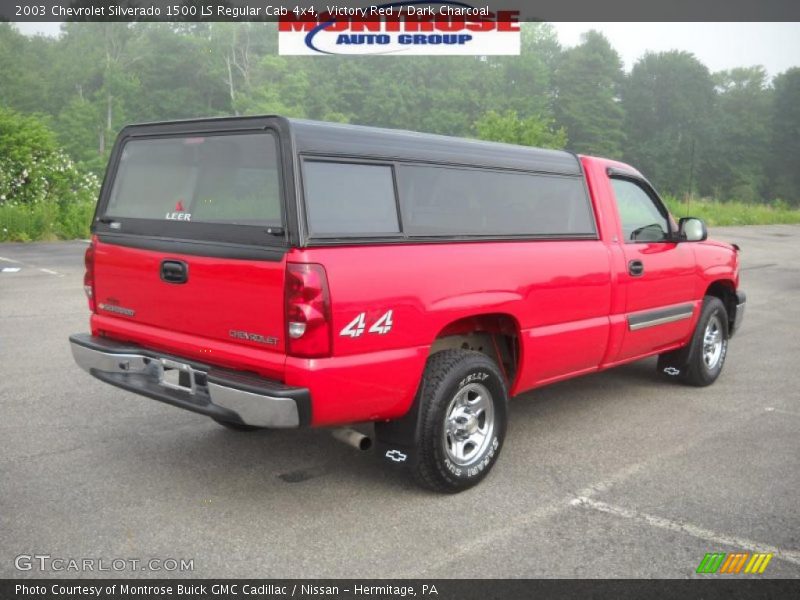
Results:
x,y
221,394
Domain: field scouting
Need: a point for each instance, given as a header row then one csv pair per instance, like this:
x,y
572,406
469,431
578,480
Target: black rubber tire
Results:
x,y
687,364
238,426
445,373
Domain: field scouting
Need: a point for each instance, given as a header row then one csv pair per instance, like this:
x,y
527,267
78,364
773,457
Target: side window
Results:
x,y
458,201
641,218
346,199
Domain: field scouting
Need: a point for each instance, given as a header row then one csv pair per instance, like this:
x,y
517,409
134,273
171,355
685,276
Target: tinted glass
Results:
x,y
640,217
215,179
349,200
452,201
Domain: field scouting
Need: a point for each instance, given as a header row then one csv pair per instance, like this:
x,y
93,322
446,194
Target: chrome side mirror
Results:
x,y
692,230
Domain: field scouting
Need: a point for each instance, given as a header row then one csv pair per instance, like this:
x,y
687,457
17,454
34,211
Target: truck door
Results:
x,y
659,279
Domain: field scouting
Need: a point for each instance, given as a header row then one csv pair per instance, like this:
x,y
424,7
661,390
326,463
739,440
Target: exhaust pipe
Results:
x,y
353,438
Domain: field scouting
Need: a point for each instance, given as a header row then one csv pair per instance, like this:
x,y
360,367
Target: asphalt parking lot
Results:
x,y
619,474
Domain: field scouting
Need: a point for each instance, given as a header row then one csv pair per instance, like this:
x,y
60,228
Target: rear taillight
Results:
x,y
308,311
88,276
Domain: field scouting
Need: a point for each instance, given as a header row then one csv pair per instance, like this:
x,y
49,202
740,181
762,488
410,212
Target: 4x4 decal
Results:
x,y
356,327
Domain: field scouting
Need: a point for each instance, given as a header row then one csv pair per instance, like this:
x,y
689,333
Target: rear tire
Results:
x,y
237,426
701,362
463,416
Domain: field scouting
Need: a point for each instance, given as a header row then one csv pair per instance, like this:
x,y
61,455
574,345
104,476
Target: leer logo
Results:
x,y
406,28
720,563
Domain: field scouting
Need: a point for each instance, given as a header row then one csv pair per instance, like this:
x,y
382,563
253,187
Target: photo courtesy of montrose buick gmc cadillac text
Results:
x,y
279,273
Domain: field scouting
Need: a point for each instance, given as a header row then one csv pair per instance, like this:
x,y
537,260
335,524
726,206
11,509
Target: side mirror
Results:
x,y
692,230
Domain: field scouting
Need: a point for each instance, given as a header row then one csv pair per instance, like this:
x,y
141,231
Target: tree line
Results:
x,y
726,135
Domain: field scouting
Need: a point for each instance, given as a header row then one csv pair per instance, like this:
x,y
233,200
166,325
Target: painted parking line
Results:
x,y
782,412
525,519
519,521
719,539
22,264
17,269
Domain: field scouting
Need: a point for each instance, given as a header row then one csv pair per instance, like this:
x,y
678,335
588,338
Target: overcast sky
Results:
x,y
719,46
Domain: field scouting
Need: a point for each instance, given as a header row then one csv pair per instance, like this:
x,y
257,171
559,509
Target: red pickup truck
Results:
x,y
272,273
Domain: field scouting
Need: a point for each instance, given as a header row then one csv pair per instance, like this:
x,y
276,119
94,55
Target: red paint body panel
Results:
x,y
220,295
569,301
215,352
359,387
552,300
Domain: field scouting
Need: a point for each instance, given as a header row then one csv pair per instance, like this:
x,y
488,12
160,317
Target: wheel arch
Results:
x,y
492,333
725,290
495,334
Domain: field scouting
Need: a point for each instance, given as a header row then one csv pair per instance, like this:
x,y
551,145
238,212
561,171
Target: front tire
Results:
x,y
701,362
464,412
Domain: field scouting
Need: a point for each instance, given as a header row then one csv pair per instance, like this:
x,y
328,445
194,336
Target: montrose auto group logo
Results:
x,y
409,28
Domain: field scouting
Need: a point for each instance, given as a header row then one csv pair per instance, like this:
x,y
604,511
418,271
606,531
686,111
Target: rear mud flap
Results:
x,y
396,441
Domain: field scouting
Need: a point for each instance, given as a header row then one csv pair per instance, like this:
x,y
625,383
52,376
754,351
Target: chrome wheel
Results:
x,y
713,341
469,424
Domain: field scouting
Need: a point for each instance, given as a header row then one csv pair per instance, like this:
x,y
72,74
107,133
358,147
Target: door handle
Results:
x,y
636,268
174,271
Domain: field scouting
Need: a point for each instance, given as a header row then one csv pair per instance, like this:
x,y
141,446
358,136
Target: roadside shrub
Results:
x,y
45,221
734,212
43,194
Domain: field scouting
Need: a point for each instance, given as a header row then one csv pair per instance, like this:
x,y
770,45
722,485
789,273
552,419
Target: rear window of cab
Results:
x,y
230,179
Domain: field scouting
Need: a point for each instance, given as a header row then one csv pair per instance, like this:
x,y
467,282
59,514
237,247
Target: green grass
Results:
x,y
50,221
716,213
45,221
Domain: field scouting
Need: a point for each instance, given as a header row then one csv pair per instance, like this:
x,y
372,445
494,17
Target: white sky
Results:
x,y
719,46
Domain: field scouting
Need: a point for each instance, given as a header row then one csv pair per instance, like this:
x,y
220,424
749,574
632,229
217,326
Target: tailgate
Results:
x,y
231,300
190,242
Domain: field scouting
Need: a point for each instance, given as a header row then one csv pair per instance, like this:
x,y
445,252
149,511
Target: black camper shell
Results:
x,y
300,141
